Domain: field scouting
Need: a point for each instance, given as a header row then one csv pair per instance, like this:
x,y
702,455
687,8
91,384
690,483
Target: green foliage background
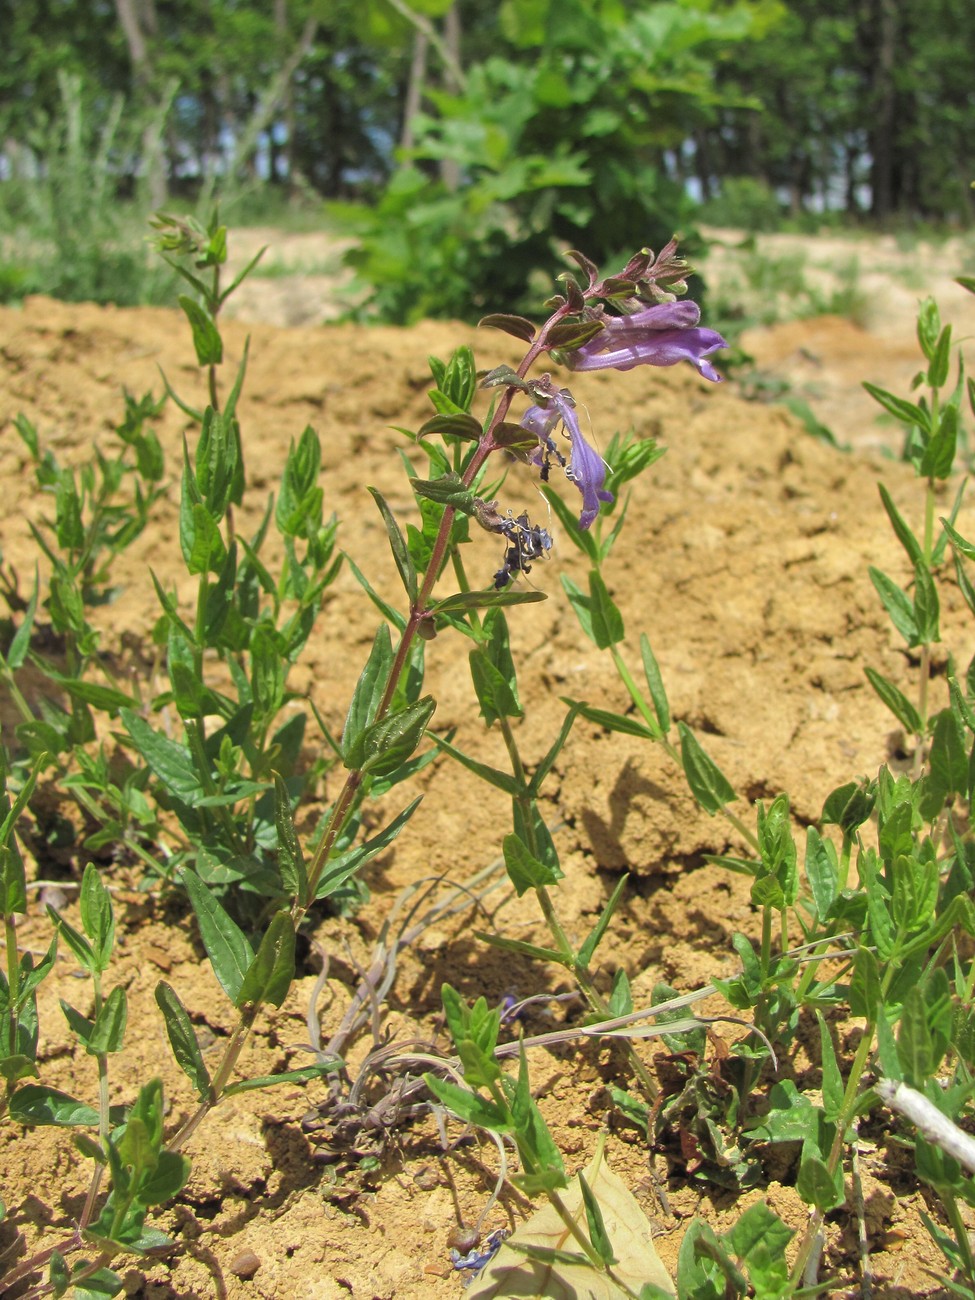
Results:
x,y
466,145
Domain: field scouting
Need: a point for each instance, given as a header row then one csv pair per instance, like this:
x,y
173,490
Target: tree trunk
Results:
x,y
286,154
884,117
138,20
450,170
414,88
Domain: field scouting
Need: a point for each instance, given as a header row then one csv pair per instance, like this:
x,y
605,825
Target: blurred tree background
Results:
x,y
463,143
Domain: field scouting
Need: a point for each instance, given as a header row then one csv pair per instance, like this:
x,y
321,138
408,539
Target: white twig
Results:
x,y
933,1126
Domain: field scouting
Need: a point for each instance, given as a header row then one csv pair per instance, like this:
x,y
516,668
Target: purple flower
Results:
x,y
585,467
656,336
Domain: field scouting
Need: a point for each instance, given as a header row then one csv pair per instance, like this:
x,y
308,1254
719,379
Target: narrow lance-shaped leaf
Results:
x,y
291,860
904,535
708,783
489,599
269,976
897,604
607,621
895,699
655,684
206,337
585,953
524,870
182,1039
227,947
20,644
926,604
97,916
594,1221
109,1028
398,546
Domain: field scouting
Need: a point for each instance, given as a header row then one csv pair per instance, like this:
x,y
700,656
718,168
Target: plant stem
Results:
x,y
104,1121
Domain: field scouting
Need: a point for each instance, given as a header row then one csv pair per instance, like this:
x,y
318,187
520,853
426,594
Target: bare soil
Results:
x,y
744,559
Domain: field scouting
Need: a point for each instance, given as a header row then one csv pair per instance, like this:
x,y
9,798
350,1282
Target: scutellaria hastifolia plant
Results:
x,y
222,788
882,928
881,915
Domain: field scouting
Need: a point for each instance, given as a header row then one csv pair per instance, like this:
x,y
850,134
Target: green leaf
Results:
x,y
849,806
895,699
397,619
269,976
496,692
455,424
36,1105
926,604
817,1186
708,783
105,698
612,721
607,621
540,1156
101,1285
75,940
227,947
914,1043
897,604
109,1028
339,869
821,872
165,1180
520,947
760,1238
97,916
449,490
947,763
655,684
545,766
524,870
170,762
581,603
492,775
597,1228
620,997
79,1025
940,359
206,337
586,952
303,1075
385,745
17,652
67,512
182,1039
516,325
865,986
468,1106
902,410
960,544
291,860
832,1083
398,545
582,538
939,455
489,599
370,687
904,534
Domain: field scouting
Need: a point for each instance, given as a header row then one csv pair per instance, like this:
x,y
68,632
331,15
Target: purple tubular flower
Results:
x,y
656,336
586,468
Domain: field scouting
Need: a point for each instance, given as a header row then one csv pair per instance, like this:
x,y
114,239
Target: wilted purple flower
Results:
x,y
656,336
585,467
